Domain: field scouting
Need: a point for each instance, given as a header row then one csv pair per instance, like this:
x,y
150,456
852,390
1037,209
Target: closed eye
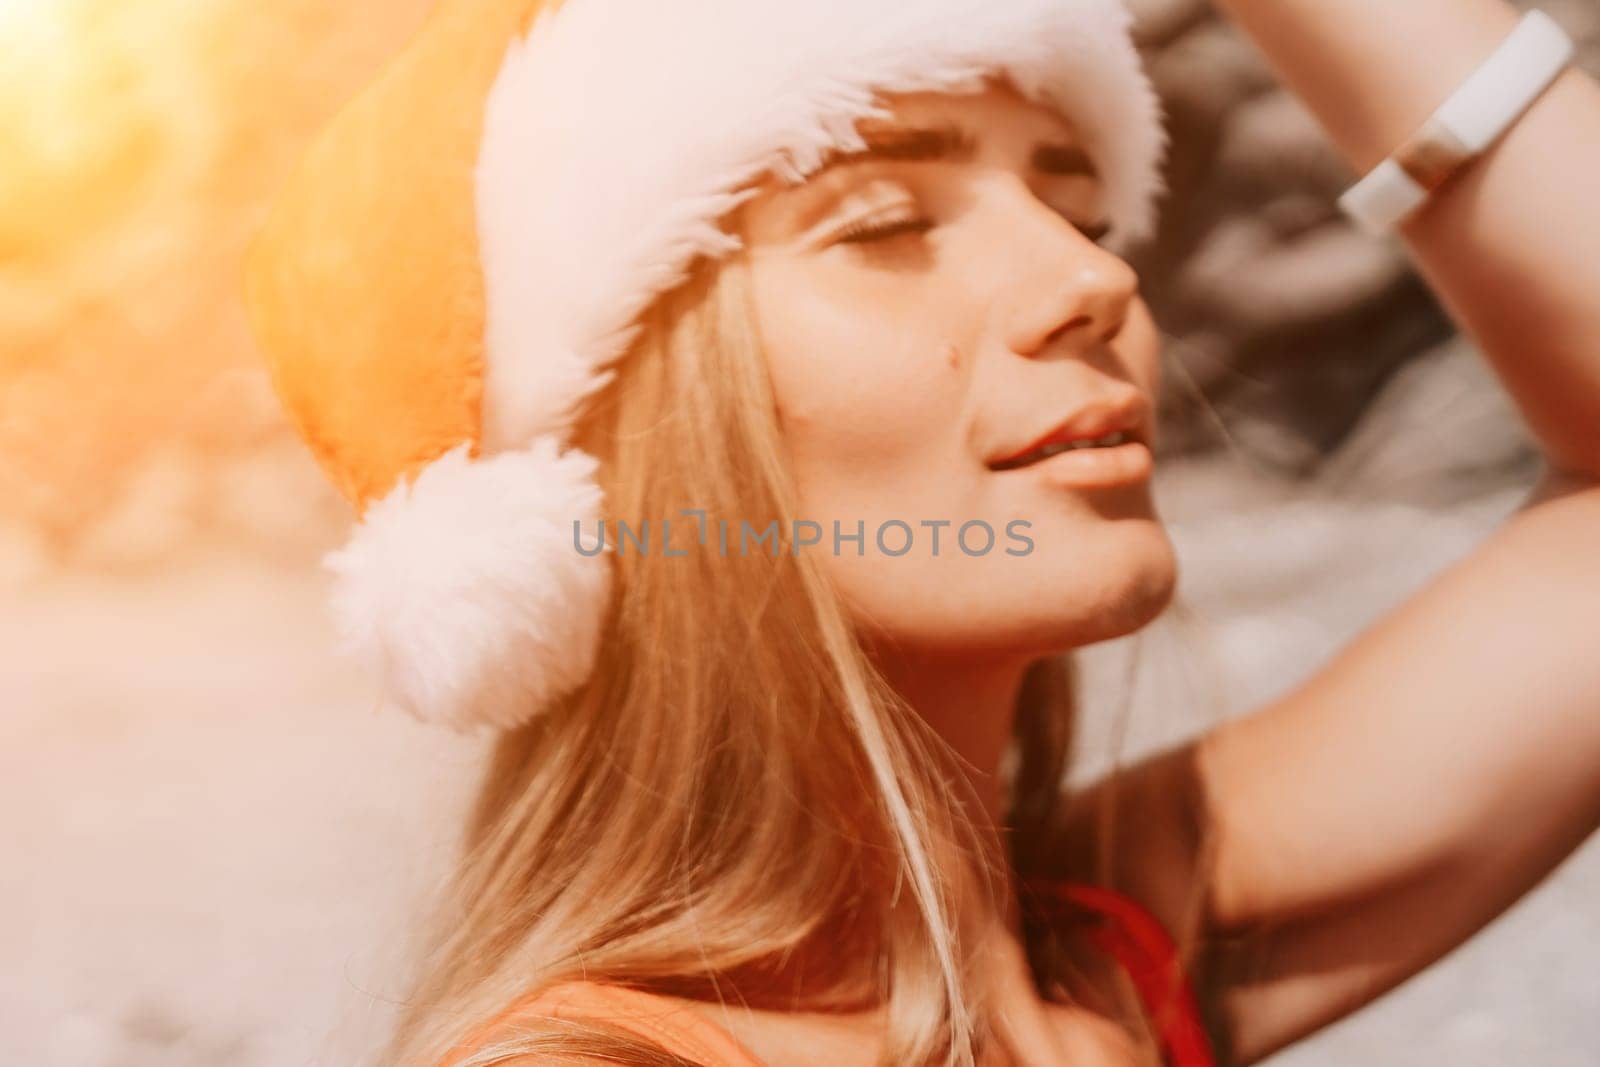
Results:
x,y
867,230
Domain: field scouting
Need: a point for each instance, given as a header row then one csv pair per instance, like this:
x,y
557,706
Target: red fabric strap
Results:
x,y
1138,941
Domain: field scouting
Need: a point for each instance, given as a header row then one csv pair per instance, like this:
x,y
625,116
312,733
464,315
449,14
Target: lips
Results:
x,y
1103,425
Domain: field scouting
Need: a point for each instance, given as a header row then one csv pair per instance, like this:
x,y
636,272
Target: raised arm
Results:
x,y
1449,758
1512,246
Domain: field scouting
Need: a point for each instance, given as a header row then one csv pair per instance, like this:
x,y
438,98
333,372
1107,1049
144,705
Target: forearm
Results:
x,y
1512,244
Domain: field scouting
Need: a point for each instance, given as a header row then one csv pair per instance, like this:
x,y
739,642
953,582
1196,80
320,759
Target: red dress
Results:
x,y
1124,930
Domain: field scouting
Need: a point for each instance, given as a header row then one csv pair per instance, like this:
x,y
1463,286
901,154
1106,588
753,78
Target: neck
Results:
x,y
971,703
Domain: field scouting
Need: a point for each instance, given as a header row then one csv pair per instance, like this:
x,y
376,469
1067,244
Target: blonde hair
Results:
x,y
736,781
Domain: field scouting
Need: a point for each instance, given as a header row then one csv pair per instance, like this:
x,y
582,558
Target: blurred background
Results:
x,y
214,837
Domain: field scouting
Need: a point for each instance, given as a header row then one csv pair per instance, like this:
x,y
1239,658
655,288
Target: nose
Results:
x,y
1067,287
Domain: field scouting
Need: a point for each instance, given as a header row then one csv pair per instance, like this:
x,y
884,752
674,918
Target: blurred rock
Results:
x,y
1158,21
1201,74
1293,319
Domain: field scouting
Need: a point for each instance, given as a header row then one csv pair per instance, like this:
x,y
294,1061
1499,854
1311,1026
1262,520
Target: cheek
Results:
x,y
1141,345
867,386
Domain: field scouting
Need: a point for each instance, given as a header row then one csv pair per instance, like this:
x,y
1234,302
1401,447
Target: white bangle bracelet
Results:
x,y
1475,116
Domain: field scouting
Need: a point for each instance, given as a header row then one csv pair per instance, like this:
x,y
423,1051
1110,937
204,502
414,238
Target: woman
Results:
x,y
659,346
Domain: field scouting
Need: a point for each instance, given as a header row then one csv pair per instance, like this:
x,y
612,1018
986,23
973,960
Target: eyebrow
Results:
x,y
904,143
953,143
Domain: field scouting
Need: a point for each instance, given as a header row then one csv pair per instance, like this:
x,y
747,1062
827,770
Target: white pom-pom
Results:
x,y
465,591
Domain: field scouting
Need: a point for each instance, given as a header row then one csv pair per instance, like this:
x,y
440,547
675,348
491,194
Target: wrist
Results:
x,y
1486,104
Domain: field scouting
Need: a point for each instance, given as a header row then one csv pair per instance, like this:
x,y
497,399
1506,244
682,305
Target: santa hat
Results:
x,y
468,248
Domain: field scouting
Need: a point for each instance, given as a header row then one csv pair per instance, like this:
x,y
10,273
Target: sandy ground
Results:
x,y
216,839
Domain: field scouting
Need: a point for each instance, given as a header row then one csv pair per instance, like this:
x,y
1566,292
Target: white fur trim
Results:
x,y
618,130
464,593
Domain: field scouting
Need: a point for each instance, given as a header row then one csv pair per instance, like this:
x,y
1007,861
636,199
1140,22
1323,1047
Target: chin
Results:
x,y
1088,579
1061,602
1143,601
1117,586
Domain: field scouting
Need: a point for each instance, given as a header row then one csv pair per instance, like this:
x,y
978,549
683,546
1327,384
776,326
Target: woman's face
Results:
x,y
929,310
